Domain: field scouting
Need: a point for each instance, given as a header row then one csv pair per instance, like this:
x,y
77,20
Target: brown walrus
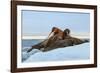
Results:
x,y
55,41
58,32
73,39
57,35
67,41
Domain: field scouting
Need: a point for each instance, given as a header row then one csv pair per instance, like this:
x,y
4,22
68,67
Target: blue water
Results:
x,y
30,42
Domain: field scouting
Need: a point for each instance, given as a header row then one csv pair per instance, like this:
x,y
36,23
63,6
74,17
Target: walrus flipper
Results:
x,y
38,46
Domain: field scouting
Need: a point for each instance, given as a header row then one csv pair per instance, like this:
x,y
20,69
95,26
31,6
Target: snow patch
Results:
x,y
77,52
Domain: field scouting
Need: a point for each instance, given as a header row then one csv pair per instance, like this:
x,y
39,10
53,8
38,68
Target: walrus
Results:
x,y
55,41
58,32
75,41
67,41
55,34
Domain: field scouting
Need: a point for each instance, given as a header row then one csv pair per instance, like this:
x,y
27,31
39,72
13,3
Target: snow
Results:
x,y
77,52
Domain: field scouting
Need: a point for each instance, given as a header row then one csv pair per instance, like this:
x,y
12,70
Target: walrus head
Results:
x,y
66,32
53,32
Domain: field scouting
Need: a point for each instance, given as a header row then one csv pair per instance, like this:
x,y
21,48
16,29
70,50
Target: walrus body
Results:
x,y
55,44
54,41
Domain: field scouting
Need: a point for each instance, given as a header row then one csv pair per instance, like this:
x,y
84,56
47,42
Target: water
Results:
x,y
30,42
26,44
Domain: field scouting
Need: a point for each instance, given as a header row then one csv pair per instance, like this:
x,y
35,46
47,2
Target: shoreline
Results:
x,y
44,37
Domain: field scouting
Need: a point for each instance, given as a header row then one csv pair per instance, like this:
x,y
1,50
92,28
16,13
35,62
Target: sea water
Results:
x,y
30,42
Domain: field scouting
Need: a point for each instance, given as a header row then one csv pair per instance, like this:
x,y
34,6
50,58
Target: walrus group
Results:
x,y
57,39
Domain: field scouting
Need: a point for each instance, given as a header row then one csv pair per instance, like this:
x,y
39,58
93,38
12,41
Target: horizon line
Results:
x,y
44,37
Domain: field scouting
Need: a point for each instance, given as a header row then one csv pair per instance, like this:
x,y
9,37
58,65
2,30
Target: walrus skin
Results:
x,y
54,42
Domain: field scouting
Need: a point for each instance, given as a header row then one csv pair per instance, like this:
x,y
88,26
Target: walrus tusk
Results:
x,y
51,34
